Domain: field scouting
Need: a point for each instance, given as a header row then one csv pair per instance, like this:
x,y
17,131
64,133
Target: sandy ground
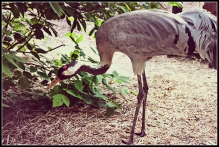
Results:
x,y
181,106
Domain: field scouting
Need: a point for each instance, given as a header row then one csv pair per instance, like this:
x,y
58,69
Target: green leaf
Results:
x,y
115,74
124,79
35,54
27,74
88,80
59,99
99,77
37,26
124,91
75,94
17,36
33,68
110,111
24,83
29,46
15,10
146,6
178,4
50,73
102,96
66,101
33,20
94,50
54,31
111,88
78,85
39,34
69,11
134,92
84,24
56,8
71,18
47,31
105,82
17,73
80,39
68,34
123,9
21,65
74,35
99,22
6,43
74,25
7,83
87,98
17,27
49,48
39,50
95,80
22,7
91,32
111,9
127,7
9,58
7,38
118,81
111,104
56,90
43,75
6,69
68,21
101,104
18,58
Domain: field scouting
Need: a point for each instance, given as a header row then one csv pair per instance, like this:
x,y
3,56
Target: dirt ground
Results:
x,y
181,106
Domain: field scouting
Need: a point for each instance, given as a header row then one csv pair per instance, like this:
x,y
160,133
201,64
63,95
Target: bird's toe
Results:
x,y
141,134
128,143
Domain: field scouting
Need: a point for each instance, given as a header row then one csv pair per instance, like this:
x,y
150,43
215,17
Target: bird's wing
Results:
x,y
204,30
148,31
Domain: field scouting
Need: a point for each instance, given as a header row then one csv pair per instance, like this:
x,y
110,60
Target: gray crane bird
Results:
x,y
143,34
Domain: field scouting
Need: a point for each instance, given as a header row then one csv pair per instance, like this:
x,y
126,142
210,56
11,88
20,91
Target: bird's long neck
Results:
x,y
94,70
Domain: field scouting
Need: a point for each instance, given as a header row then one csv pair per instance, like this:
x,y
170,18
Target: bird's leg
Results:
x,y
140,97
145,89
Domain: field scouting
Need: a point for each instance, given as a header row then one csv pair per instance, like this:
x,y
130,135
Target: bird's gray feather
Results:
x,y
147,33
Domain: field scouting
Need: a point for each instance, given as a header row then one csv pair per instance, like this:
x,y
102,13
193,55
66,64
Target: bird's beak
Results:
x,y
53,83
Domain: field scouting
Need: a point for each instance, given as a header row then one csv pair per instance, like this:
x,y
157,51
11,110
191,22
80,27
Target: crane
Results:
x,y
143,34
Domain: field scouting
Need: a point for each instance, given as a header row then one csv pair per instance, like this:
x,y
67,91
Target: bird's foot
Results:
x,y
128,143
141,134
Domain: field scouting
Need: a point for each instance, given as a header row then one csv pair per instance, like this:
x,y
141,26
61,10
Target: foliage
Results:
x,y
24,23
178,4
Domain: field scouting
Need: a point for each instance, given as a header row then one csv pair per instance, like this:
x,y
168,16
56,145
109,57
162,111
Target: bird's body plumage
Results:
x,y
144,34
203,28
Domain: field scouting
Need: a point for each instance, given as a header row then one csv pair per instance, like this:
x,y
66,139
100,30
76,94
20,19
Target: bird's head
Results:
x,y
65,72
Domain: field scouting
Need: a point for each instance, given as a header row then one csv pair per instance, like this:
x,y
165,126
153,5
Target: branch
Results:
x,y
26,41
55,48
46,51
11,47
37,65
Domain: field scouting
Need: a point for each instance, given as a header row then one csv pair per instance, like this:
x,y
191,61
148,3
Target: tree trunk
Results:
x,y
211,7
